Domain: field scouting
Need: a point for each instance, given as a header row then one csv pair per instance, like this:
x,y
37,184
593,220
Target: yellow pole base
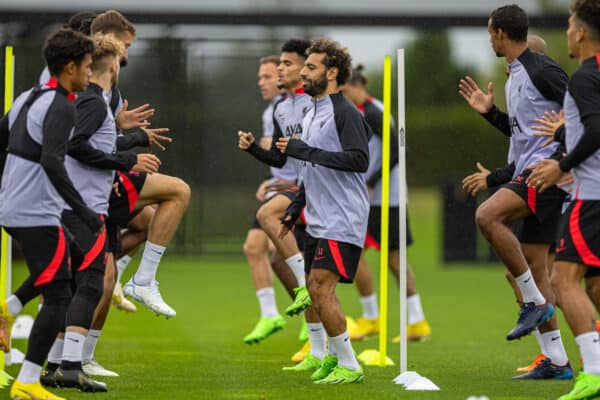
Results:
x,y
373,358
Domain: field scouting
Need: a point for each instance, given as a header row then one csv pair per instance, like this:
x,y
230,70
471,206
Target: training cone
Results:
x,y
4,379
371,357
411,380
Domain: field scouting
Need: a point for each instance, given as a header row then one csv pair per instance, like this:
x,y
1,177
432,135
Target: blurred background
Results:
x,y
196,62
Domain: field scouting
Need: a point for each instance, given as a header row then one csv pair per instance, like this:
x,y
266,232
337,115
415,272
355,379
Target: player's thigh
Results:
x,y
256,242
505,206
158,188
275,207
567,275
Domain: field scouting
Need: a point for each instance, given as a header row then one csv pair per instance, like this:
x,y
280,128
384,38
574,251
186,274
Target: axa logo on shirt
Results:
x,y
514,124
295,129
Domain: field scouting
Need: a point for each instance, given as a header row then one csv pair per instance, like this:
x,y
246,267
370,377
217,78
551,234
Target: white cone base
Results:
x,y
22,327
411,380
15,356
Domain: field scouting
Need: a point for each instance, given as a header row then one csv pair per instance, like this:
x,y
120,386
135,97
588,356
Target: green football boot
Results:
x,y
342,375
310,363
266,327
329,363
587,386
301,302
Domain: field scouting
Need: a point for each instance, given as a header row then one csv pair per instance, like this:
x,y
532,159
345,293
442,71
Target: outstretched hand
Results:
x,y
136,118
477,99
476,182
548,124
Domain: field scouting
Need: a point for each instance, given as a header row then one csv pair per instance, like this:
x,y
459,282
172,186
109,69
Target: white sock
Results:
x,y
73,346
266,300
89,346
538,337
529,289
14,305
415,310
345,353
554,348
56,351
146,273
39,307
589,348
29,373
121,265
316,335
296,264
369,306
331,350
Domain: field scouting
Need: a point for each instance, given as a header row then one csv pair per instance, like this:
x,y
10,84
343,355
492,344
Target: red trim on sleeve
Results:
x,y
531,198
584,251
59,254
337,258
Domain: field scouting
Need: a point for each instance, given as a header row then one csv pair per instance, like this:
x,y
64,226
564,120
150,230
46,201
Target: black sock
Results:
x,y
70,365
52,366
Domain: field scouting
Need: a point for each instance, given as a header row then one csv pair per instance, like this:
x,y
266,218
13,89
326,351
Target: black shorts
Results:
x,y
579,240
373,238
121,208
46,252
339,257
113,237
93,247
529,230
300,235
546,210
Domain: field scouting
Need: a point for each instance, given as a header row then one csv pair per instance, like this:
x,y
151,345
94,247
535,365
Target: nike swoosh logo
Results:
x,y
319,258
527,280
555,338
73,340
560,249
315,330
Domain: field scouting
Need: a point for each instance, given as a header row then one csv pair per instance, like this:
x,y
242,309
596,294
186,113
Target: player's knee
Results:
x,y
90,286
483,218
559,285
263,214
183,192
57,293
252,249
316,286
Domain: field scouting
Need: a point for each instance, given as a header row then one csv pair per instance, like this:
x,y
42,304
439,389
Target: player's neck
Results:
x,y
294,88
103,80
332,87
514,51
65,82
588,50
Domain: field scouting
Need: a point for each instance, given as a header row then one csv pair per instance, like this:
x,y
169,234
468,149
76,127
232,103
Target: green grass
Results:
x,y
200,354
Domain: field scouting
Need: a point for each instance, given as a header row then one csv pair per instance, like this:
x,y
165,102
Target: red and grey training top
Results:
x,y
35,183
287,121
582,129
92,156
335,151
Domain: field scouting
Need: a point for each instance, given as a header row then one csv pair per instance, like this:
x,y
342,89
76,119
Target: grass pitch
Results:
x,y
200,353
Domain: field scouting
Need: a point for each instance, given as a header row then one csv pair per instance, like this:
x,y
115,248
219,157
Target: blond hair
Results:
x,y
105,45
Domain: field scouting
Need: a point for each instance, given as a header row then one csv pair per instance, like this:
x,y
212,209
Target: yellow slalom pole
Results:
x,y
5,240
385,210
372,356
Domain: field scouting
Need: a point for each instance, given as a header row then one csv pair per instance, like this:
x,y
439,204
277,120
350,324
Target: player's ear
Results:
x,y
332,73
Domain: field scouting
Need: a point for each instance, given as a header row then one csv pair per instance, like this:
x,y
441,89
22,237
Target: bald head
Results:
x,y
536,44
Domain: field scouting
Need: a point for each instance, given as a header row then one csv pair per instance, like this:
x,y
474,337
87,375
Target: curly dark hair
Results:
x,y
336,56
82,22
588,12
513,21
298,46
66,45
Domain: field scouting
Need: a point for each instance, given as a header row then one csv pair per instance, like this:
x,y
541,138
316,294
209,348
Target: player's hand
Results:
x,y
262,190
116,188
544,174
566,180
477,99
285,226
136,118
476,182
156,138
148,163
548,124
246,140
283,142
279,185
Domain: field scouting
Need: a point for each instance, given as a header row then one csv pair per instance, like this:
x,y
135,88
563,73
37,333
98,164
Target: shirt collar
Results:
x,y
54,84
